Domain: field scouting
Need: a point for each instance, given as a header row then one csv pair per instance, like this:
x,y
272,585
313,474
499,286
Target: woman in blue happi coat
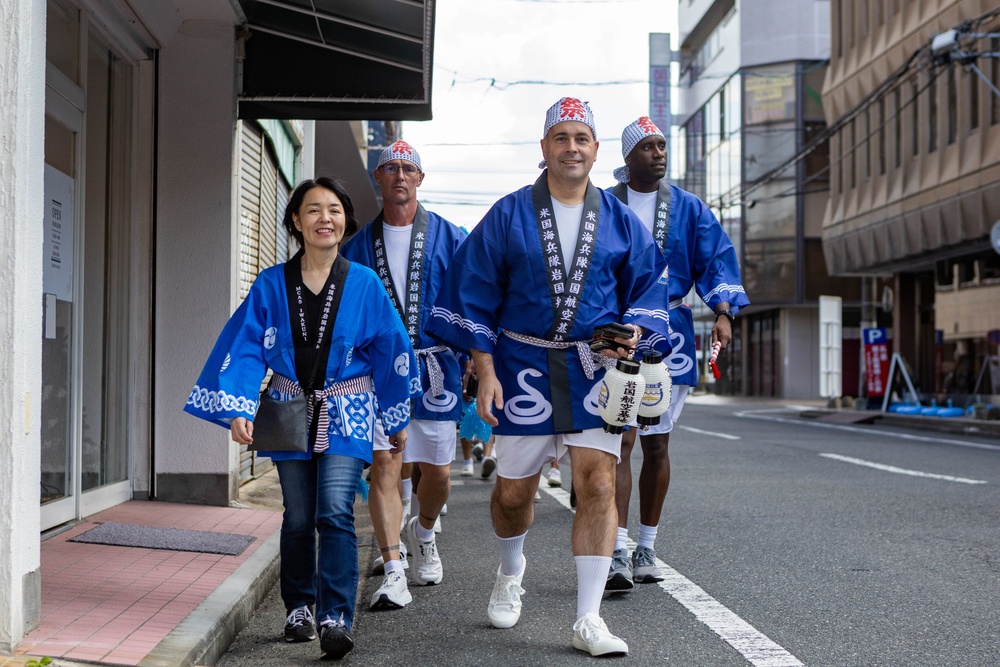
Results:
x,y
289,323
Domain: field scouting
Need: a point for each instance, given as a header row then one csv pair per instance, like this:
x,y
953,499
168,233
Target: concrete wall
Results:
x,y
800,347
196,255
22,114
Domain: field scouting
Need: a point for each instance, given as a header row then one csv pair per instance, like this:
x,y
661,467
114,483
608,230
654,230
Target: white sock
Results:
x,y
511,549
468,460
591,575
621,542
393,565
414,505
647,536
407,488
423,534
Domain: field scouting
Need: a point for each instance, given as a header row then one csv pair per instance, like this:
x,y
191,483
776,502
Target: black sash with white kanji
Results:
x,y
565,286
408,303
661,217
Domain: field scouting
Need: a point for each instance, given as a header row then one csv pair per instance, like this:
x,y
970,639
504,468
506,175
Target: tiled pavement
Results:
x,y
127,606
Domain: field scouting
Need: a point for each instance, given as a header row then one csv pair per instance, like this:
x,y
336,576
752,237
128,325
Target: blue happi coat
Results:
x,y
699,254
499,281
367,339
442,242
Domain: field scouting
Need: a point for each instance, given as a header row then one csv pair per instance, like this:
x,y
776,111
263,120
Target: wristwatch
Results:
x,y
728,314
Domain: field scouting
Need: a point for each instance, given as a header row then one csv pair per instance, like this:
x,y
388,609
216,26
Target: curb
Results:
x,y
976,427
208,631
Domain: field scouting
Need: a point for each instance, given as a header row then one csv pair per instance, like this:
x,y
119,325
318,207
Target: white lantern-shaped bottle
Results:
x,y
621,393
656,398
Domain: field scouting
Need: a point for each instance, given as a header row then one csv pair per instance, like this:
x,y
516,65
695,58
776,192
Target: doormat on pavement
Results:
x,y
171,539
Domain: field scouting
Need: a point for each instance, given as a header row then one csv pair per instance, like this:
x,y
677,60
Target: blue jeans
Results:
x,y
319,498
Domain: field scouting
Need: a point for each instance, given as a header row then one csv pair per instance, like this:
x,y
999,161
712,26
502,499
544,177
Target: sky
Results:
x,y
483,140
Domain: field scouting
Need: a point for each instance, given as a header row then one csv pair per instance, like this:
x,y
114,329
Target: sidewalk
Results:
x,y
155,608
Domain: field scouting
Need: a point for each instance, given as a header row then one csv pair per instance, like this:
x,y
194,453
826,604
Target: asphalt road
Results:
x,y
786,541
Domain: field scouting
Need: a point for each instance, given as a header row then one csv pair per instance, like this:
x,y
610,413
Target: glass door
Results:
x,y
87,346
63,126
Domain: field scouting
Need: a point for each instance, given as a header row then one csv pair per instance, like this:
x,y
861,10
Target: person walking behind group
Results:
x,y
698,254
410,249
548,264
291,323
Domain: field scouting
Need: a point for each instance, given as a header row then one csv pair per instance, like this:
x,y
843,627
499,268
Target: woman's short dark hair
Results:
x,y
327,183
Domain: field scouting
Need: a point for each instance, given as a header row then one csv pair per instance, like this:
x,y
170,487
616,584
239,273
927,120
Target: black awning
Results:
x,y
338,59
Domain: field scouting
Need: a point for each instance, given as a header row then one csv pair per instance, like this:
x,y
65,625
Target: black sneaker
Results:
x,y
299,626
335,640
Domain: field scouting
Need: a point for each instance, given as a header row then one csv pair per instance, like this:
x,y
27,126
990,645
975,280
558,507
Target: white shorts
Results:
x,y
678,393
426,441
521,456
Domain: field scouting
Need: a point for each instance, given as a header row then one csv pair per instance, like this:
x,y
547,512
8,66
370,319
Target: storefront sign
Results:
x,y
57,272
876,360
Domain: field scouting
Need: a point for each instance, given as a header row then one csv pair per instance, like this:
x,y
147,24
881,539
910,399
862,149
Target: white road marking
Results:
x,y
755,414
901,471
756,647
712,433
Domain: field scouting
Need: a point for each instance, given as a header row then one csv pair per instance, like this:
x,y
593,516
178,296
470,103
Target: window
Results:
x,y
974,84
853,165
840,162
995,78
881,136
952,105
932,114
868,144
914,116
897,127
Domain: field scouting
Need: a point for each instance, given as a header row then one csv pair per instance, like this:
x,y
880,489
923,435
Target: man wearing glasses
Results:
x,y
410,249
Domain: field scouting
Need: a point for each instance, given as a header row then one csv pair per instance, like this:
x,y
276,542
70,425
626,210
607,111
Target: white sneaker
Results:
x,y
477,451
402,555
505,601
444,509
554,477
393,593
489,465
426,568
592,635
468,469
437,525
538,496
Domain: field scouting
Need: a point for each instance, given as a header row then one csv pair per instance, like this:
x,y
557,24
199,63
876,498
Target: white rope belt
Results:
x,y
359,385
433,367
588,360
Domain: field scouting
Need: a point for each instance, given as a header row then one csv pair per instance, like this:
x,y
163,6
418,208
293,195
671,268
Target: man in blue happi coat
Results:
x,y
410,249
699,254
547,265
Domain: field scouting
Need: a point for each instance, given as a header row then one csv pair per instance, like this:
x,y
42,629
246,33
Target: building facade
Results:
x,y
148,150
915,186
750,99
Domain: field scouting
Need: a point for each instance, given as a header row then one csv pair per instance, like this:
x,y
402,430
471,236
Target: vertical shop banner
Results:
x,y
876,361
660,58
